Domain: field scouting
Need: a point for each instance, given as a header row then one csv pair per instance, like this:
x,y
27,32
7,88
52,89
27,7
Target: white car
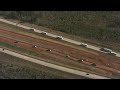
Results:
x,y
59,37
83,45
44,33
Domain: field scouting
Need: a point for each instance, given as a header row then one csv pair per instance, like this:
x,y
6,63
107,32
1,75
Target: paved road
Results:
x,y
52,35
61,68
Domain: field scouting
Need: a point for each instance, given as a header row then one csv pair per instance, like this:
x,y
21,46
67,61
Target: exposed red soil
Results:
x,y
101,61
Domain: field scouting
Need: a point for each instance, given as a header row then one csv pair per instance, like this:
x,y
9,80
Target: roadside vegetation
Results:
x,y
15,68
98,25
10,71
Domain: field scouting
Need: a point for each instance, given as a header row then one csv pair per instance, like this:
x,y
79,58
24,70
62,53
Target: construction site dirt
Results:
x,y
65,55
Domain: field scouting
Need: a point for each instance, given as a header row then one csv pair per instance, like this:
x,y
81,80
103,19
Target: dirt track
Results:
x,y
59,52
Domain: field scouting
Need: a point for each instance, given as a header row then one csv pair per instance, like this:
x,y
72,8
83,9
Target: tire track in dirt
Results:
x,y
56,48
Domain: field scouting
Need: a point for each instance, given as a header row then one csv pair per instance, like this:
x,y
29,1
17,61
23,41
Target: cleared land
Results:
x,y
58,54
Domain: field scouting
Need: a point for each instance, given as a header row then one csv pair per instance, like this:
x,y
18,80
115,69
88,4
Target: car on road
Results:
x,y
106,50
59,37
83,45
87,74
44,33
32,29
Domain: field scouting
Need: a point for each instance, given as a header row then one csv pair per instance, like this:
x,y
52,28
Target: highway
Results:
x,y
50,65
54,36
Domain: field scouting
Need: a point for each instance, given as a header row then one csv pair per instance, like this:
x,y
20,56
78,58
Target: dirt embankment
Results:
x,y
60,53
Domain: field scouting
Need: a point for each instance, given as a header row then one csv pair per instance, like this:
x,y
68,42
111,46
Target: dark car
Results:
x,y
93,64
32,29
106,50
44,33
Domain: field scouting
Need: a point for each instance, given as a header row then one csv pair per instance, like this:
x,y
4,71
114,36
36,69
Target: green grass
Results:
x,y
98,25
11,71
25,51
16,68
